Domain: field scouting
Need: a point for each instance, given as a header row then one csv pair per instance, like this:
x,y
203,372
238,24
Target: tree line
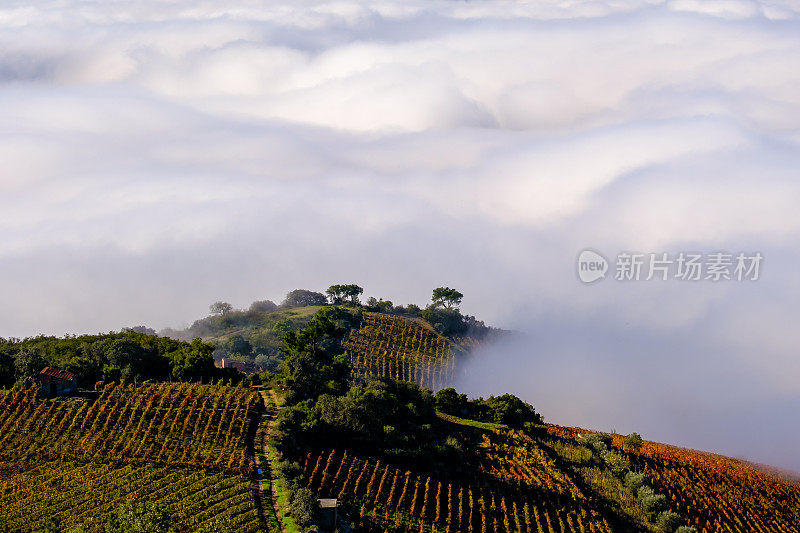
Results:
x,y
128,355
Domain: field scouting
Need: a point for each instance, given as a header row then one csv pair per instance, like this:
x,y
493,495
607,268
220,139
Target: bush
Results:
x,y
617,463
291,474
303,298
262,306
303,505
635,481
598,441
686,529
668,522
632,442
650,502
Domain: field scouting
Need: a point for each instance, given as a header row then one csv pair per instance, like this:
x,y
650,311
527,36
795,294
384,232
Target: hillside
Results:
x,y
388,346
254,337
74,462
396,467
358,421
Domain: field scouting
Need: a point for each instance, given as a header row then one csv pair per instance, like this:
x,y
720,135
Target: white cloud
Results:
x,y
157,156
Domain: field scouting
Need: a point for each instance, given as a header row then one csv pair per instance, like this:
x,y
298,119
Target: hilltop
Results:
x,y
254,336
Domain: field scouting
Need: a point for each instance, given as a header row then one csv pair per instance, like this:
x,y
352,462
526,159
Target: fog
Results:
x,y
158,156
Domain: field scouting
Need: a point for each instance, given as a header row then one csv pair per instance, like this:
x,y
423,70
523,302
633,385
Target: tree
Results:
x,y
303,298
446,297
236,344
6,370
314,363
304,506
451,402
380,306
193,361
668,522
139,517
617,463
445,321
337,294
511,411
650,502
141,329
85,369
220,308
263,306
29,363
634,481
633,442
353,291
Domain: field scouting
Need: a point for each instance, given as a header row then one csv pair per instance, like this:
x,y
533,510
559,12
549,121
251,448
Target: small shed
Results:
x,y
238,365
327,511
54,381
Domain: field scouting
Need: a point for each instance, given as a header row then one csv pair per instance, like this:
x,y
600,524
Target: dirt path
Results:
x,y
267,502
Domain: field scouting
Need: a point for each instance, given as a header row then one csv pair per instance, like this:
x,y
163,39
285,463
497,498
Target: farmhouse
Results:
x,y
53,381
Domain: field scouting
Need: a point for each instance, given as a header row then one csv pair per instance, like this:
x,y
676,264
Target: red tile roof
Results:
x,y
58,374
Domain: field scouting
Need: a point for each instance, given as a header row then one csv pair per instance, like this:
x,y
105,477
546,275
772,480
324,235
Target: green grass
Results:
x,y
282,494
488,426
296,317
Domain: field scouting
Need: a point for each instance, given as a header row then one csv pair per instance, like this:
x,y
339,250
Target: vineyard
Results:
x,y
394,347
514,487
182,445
719,494
76,492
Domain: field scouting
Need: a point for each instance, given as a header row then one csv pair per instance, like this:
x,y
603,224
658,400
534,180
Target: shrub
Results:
x,y
303,506
598,441
617,463
632,442
668,522
291,474
650,502
635,481
686,529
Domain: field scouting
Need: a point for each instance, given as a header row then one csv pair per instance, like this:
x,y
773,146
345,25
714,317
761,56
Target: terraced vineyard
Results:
x,y
394,347
182,445
515,487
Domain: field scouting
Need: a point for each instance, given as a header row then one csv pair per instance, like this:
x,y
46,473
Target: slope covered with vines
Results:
x,y
710,492
720,494
511,485
73,461
176,424
389,346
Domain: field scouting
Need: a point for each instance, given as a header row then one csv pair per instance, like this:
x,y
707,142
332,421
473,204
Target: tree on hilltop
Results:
x,y
303,298
446,297
338,294
263,306
220,308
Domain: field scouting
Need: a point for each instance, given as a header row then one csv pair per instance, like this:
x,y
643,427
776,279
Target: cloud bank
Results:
x,y
158,156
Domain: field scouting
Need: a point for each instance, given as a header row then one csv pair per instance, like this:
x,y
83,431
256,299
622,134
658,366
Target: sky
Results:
x,y
157,156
